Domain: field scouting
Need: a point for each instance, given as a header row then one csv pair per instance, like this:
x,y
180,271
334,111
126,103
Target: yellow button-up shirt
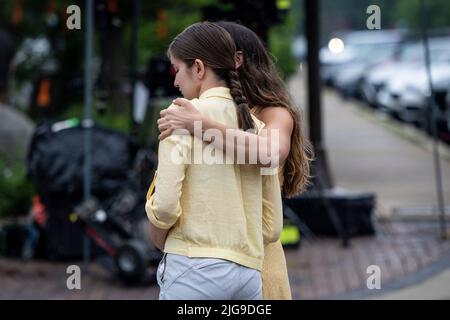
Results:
x,y
225,211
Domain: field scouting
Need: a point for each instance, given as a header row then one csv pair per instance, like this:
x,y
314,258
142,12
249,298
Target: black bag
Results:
x,y
55,165
353,210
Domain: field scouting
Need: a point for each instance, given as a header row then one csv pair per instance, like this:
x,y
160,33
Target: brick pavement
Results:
x,y
318,270
324,269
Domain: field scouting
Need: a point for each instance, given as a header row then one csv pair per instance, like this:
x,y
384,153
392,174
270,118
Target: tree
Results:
x,y
409,11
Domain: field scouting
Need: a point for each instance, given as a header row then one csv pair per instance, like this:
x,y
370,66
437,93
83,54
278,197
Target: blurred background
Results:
x,y
378,116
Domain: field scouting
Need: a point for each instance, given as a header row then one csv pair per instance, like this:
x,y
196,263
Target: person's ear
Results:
x,y
199,69
239,59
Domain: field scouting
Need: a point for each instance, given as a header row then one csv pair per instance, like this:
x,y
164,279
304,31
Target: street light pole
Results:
x,y
87,119
320,169
136,5
432,124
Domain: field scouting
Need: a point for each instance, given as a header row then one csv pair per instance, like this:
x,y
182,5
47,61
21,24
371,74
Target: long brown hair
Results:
x,y
214,46
264,88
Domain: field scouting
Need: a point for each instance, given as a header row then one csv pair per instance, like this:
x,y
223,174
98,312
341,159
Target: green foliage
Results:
x,y
16,191
179,15
150,43
280,45
410,12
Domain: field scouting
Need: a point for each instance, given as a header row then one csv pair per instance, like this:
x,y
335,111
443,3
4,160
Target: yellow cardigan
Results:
x,y
275,278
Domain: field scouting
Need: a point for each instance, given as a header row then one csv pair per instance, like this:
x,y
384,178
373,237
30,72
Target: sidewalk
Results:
x,y
46,280
407,253
367,151
432,289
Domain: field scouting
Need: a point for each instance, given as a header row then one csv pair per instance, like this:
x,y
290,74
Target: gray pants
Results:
x,y
183,278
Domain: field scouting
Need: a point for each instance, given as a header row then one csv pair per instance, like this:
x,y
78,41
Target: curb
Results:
x,y
393,285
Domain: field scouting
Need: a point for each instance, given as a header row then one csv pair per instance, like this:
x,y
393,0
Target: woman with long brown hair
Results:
x,y
271,103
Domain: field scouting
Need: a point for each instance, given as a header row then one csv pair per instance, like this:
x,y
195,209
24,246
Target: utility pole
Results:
x,y
320,169
87,119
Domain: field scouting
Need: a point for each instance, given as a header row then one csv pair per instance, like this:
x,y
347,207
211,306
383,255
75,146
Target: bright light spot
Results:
x,y
336,45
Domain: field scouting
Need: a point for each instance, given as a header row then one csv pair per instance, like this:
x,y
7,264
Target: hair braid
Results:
x,y
243,111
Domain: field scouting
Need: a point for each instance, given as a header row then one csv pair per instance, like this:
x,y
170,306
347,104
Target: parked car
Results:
x,y
408,54
348,78
408,58
358,47
406,93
